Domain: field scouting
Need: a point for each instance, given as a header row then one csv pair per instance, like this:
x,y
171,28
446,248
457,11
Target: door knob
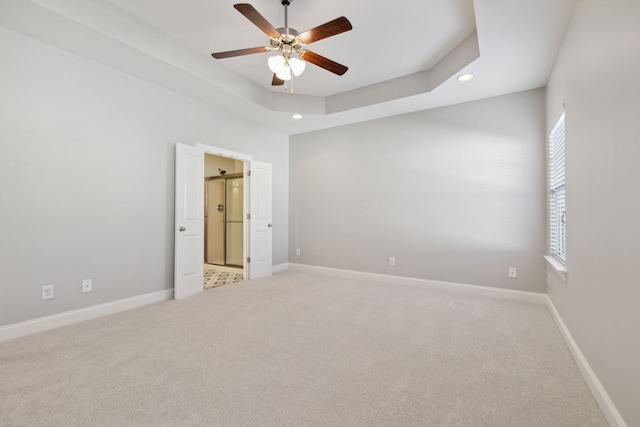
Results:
x,y
182,228
269,225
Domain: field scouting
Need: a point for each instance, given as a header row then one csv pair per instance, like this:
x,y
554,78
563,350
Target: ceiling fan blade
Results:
x,y
240,52
258,20
323,62
276,81
331,28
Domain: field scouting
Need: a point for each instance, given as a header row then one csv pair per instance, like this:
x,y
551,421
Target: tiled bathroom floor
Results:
x,y
215,275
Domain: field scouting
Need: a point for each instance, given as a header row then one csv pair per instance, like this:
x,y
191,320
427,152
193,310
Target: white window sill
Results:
x,y
559,267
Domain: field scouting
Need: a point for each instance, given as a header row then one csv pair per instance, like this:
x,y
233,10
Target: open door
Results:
x,y
189,218
260,224
189,221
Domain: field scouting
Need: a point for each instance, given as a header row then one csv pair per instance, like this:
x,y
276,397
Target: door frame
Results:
x,y
246,201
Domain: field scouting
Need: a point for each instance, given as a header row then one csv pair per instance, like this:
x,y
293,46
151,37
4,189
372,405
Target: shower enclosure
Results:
x,y
223,220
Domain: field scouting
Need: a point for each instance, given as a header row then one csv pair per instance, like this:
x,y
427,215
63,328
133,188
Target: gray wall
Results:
x,y
87,176
455,194
596,76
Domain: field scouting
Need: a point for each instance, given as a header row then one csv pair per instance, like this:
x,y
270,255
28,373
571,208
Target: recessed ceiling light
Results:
x,y
297,116
465,77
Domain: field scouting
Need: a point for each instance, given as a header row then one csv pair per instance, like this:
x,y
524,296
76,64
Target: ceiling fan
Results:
x,y
290,44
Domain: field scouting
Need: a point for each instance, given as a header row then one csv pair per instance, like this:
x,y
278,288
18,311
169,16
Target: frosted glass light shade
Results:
x,y
276,63
297,66
284,74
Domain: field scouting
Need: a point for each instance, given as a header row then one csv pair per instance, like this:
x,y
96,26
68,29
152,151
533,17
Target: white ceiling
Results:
x,y
385,43
403,56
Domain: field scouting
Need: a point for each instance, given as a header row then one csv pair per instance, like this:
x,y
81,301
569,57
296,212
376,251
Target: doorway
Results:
x,y
223,221
189,216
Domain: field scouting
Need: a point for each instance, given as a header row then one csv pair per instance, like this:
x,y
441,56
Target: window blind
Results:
x,y
557,205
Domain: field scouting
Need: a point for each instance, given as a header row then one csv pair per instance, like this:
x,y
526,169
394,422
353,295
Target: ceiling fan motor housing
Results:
x,y
287,42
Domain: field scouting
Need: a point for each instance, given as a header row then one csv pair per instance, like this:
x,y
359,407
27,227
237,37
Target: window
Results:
x,y
557,207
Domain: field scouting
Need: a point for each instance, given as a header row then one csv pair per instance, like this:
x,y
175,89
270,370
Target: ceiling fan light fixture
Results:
x,y
284,69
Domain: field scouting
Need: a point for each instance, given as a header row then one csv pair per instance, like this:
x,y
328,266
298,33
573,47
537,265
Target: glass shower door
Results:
x,y
233,224
214,222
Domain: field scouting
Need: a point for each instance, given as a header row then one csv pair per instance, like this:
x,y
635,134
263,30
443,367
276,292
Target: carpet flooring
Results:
x,y
301,349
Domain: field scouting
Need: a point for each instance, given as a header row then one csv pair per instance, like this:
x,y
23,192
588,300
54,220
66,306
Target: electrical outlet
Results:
x,y
513,273
47,292
392,261
297,252
87,285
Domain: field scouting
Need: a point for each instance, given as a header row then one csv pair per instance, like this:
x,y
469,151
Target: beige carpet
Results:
x,y
301,350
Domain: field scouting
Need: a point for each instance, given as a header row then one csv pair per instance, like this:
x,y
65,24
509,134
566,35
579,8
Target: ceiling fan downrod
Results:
x,y
286,4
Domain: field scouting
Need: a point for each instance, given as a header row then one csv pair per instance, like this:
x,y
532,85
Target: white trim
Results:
x,y
209,149
534,297
41,324
280,267
599,393
557,266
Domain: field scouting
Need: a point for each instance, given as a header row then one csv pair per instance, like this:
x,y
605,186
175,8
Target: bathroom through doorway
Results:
x,y
223,221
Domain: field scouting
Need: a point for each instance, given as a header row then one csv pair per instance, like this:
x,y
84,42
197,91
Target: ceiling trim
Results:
x,y
414,84
102,32
130,31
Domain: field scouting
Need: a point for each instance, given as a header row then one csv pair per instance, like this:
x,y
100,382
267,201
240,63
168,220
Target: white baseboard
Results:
x,y
280,267
41,324
46,323
538,298
599,393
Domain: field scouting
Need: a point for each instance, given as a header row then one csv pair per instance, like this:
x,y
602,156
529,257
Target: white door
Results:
x,y
260,224
189,221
